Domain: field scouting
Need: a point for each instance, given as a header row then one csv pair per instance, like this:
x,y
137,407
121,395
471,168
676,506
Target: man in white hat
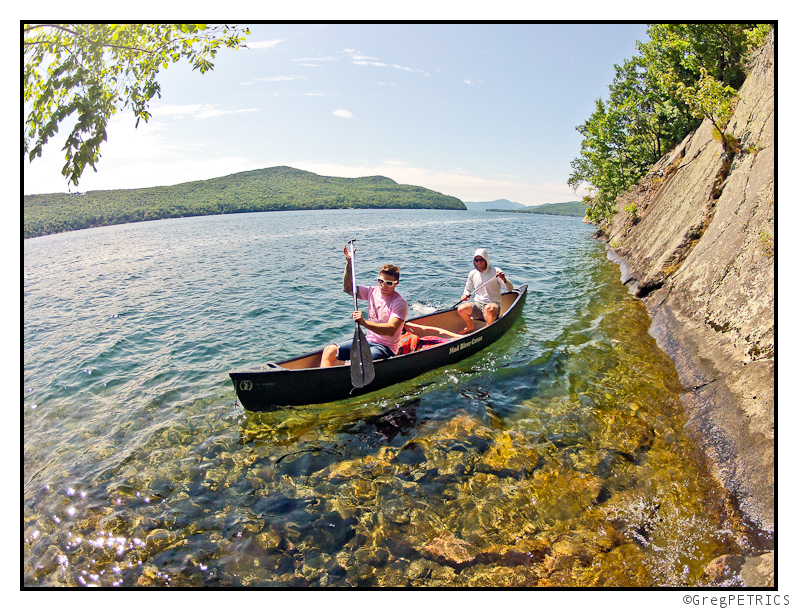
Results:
x,y
487,299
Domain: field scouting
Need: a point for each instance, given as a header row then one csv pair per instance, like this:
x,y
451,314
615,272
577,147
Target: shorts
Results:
x,y
378,351
478,309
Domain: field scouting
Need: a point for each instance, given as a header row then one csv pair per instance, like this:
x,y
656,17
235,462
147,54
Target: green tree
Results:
x,y
602,163
653,121
710,99
685,48
684,74
95,70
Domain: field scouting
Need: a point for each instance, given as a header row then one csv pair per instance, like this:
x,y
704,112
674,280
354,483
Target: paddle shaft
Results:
x,y
361,365
352,264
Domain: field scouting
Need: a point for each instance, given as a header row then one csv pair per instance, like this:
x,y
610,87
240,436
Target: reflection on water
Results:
x,y
556,458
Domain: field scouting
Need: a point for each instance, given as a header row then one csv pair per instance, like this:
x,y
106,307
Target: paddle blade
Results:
x,y
362,367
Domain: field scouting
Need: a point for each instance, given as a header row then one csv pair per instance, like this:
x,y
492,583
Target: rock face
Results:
x,y
700,252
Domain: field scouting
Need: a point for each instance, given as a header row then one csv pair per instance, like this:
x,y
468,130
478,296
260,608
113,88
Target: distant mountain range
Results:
x,y
503,204
574,208
277,188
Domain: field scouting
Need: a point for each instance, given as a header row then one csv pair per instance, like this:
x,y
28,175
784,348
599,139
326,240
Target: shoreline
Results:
x,y
695,242
720,421
714,400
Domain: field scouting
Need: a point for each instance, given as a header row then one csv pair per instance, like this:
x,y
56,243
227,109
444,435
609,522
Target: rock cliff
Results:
x,y
695,240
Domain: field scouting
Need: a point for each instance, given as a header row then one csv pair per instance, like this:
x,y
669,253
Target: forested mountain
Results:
x,y
278,188
561,209
503,204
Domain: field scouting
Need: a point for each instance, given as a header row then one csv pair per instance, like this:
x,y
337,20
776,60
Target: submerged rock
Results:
x,y
758,572
725,570
510,455
449,550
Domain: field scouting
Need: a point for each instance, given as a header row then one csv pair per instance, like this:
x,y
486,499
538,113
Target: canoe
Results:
x,y
300,380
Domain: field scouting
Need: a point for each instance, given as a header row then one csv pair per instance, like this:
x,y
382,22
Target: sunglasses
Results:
x,y
387,282
478,260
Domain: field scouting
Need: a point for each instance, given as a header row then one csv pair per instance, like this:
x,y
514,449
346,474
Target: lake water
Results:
x,y
554,457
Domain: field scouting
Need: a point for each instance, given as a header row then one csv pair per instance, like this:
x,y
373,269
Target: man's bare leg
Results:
x,y
464,310
491,313
329,356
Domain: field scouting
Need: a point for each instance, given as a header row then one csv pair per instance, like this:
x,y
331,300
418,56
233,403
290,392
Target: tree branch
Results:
x,y
180,39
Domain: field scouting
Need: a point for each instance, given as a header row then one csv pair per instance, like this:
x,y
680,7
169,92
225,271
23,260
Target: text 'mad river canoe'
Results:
x,y
300,380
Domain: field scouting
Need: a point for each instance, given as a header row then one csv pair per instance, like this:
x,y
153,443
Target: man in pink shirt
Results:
x,y
387,314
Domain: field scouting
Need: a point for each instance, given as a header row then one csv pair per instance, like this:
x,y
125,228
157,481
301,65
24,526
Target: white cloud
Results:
x,y
143,157
280,78
263,44
326,58
149,156
212,112
359,59
132,158
145,173
363,60
199,111
457,183
178,110
424,72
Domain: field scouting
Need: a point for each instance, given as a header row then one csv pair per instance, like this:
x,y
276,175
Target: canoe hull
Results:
x,y
276,387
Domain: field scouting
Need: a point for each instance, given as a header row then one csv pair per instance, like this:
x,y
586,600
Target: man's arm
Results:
x,y
382,328
348,277
469,288
507,284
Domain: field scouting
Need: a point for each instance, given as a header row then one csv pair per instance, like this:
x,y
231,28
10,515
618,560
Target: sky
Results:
x,y
477,111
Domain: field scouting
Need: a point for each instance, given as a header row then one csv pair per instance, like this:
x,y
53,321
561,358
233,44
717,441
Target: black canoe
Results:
x,y
300,380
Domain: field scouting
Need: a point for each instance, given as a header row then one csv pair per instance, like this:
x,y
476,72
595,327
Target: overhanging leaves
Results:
x,y
94,70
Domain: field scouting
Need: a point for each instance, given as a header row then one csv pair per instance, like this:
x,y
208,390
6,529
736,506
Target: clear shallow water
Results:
x,y
556,457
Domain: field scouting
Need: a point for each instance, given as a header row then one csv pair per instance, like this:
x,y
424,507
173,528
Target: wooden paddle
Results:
x,y
361,365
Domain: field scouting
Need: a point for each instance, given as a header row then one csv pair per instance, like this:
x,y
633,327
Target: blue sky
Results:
x,y
477,111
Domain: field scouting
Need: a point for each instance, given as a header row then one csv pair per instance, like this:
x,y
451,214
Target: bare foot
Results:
x,y
468,329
